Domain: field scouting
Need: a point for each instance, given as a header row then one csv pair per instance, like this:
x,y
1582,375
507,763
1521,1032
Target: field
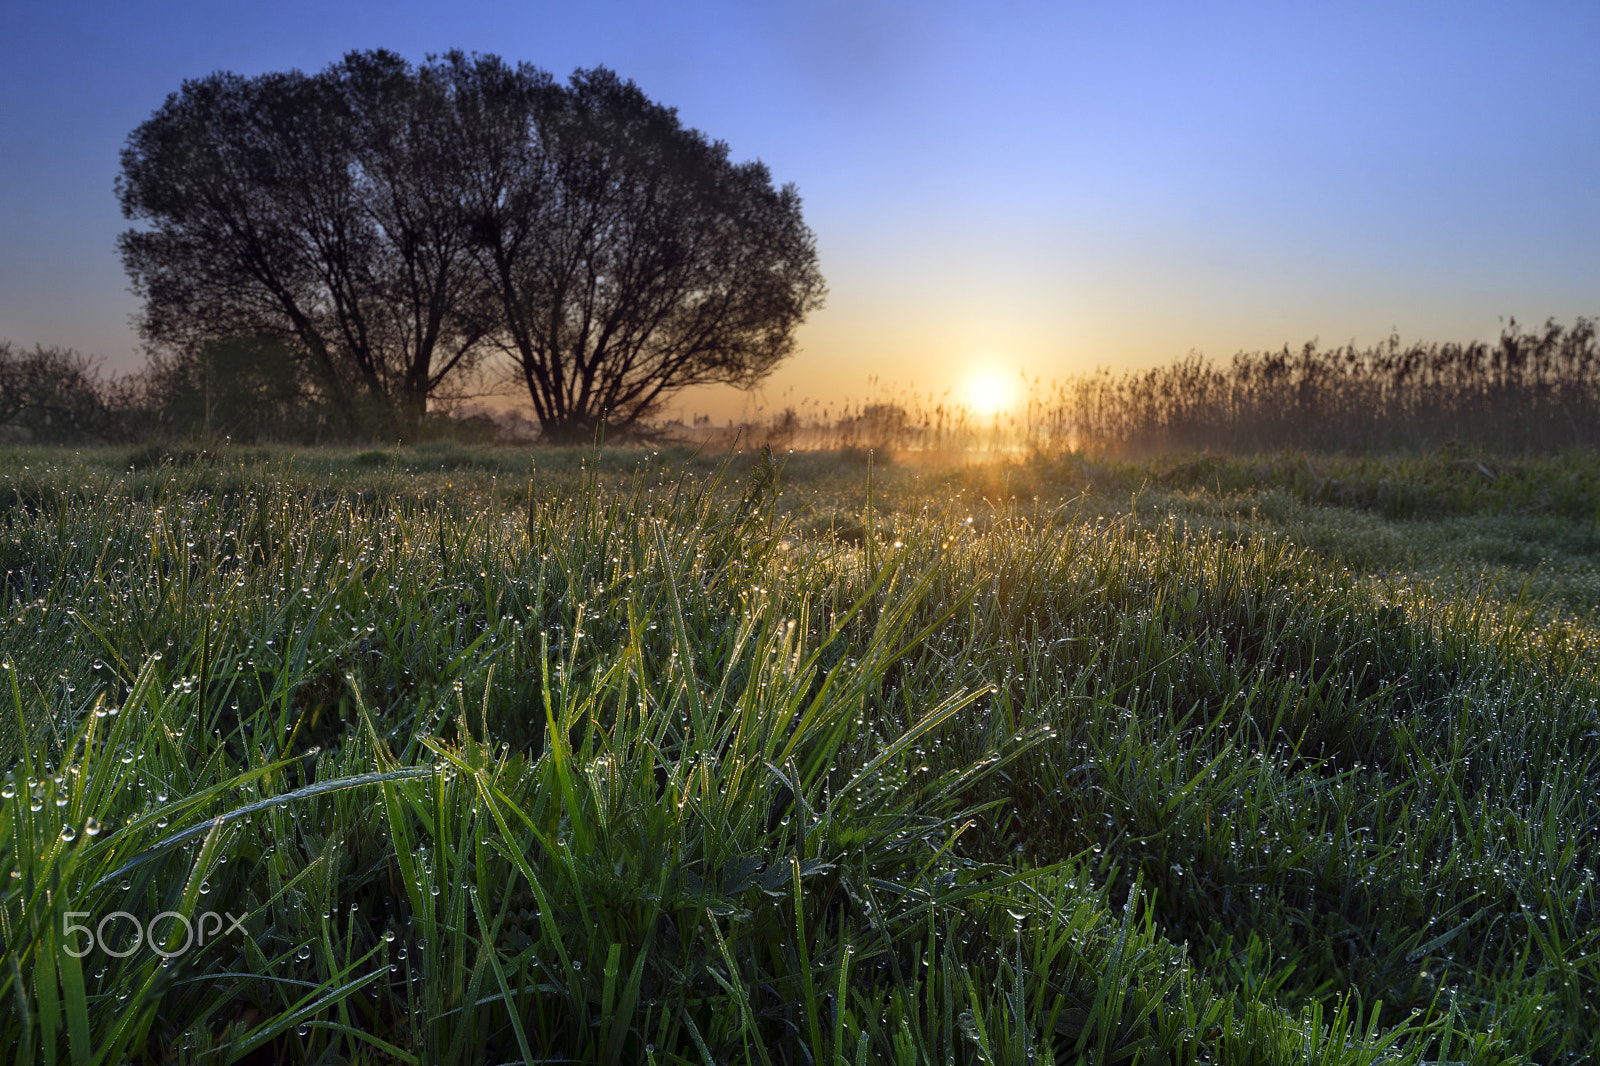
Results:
x,y
445,754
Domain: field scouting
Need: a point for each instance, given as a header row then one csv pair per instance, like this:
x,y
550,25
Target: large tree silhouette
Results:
x,y
396,225
630,256
319,209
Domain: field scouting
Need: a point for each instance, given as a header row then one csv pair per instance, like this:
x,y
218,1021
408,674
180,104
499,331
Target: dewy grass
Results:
x,y
617,763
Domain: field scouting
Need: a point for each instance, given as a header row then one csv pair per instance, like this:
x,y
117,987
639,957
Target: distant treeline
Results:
x,y
1529,391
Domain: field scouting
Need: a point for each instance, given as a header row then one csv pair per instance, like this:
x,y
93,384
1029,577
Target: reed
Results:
x,y
1526,393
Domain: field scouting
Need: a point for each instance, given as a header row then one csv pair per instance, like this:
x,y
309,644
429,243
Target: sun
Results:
x,y
988,393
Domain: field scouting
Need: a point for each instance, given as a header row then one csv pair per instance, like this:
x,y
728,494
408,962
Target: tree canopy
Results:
x,y
399,227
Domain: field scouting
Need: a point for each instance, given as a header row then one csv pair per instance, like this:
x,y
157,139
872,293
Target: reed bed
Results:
x,y
1526,393
620,762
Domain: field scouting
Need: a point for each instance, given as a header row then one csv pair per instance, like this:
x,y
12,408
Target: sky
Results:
x,y
997,189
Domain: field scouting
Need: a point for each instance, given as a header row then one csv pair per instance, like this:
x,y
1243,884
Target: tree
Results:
x,y
630,256
320,210
397,225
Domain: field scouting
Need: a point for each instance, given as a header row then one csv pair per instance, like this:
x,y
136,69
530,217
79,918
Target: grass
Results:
x,y
652,757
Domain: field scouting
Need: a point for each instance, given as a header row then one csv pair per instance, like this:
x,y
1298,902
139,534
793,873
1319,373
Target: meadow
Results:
x,y
490,755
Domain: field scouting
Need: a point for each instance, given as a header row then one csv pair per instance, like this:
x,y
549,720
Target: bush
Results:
x,y
51,395
243,388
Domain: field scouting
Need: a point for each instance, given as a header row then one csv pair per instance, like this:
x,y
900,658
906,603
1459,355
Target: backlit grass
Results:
x,y
499,757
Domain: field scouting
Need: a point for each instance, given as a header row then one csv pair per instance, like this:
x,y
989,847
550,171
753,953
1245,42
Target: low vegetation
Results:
x,y
1529,393
637,757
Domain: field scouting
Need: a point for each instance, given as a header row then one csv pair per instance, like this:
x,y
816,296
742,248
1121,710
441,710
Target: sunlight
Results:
x,y
988,393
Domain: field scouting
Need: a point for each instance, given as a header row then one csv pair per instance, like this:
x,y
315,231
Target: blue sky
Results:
x,y
997,187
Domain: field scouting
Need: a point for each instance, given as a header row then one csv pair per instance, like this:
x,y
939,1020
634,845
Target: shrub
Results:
x,y
51,395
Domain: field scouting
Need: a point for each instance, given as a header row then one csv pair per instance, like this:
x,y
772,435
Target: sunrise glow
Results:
x,y
988,393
